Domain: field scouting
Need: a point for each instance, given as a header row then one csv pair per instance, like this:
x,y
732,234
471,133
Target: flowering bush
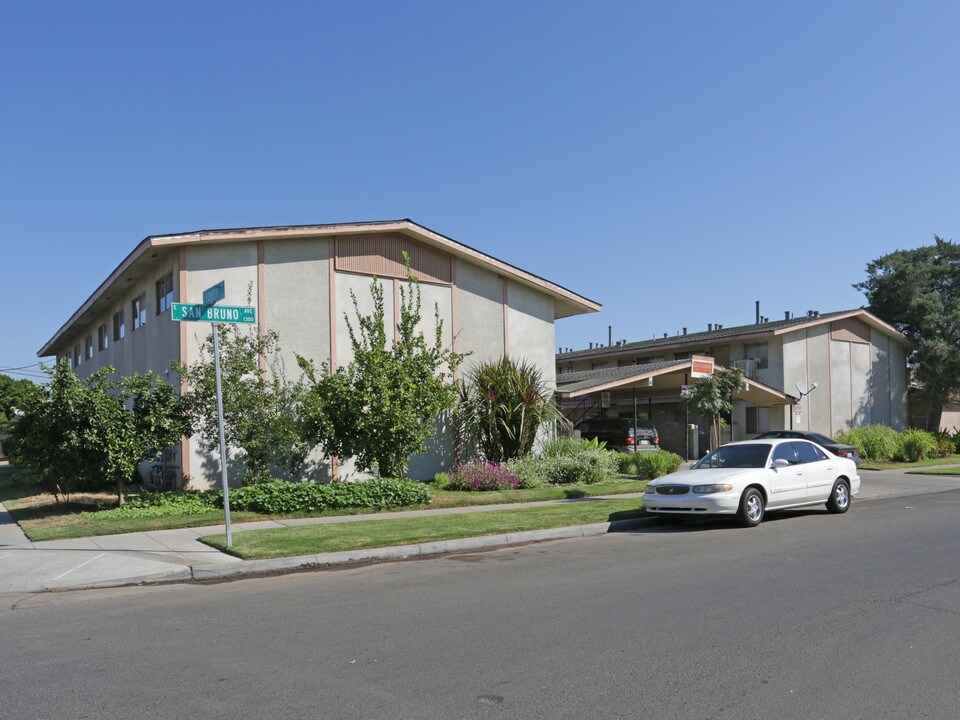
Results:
x,y
482,476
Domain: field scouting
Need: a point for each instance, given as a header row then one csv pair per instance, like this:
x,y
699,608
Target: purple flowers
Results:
x,y
482,476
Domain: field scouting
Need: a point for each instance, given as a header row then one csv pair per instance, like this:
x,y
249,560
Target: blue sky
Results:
x,y
674,161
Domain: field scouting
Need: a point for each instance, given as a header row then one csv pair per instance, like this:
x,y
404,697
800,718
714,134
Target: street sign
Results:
x,y
214,294
192,312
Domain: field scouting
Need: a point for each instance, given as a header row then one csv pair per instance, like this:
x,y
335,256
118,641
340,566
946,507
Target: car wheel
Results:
x,y
751,509
839,501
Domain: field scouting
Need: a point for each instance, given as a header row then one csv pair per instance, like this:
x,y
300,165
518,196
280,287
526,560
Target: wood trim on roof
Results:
x,y
382,255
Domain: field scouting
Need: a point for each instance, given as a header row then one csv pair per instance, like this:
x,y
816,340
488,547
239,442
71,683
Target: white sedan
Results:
x,y
748,478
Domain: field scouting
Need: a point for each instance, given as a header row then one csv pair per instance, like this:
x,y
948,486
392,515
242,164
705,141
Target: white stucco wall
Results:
x,y
480,313
531,335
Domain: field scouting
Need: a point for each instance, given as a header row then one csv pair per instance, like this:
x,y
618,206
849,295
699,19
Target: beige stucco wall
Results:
x,y
236,265
480,313
530,329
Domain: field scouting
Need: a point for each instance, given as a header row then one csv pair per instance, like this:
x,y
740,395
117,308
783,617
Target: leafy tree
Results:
x,y
381,408
13,395
503,405
259,403
710,397
918,292
85,434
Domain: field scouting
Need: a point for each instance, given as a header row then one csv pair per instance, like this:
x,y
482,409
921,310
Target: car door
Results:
x,y
788,485
820,469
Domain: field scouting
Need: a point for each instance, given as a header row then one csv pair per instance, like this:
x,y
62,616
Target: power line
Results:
x,y
22,367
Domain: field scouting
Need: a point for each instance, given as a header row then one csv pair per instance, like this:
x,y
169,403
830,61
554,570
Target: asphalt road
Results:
x,y
809,615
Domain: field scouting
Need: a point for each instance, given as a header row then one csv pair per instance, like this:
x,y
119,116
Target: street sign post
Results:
x,y
216,314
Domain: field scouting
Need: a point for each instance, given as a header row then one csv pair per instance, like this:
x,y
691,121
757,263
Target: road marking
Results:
x,y
79,566
3,556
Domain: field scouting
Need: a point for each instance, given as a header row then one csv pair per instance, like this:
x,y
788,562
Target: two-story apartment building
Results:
x,y
824,372
301,279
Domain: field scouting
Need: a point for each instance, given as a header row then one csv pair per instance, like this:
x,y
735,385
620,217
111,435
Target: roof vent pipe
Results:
x,y
684,331
709,327
757,302
609,334
786,314
591,346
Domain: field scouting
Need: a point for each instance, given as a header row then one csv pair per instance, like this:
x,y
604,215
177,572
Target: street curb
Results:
x,y
406,552
180,574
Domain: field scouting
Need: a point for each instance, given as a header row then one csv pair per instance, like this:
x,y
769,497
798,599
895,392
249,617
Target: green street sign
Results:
x,y
188,312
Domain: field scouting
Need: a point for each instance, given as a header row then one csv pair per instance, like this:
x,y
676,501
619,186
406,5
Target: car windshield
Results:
x,y
736,456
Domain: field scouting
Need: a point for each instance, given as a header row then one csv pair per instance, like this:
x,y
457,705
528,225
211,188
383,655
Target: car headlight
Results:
x,y
705,489
650,489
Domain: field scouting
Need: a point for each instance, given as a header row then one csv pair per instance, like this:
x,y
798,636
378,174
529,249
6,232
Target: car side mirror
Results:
x,y
780,463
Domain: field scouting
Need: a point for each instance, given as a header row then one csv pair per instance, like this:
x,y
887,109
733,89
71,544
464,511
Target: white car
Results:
x,y
748,478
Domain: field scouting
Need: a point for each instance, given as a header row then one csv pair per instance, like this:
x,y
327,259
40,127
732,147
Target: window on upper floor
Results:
x,y
164,292
139,308
682,356
118,327
757,352
650,359
88,347
103,338
76,355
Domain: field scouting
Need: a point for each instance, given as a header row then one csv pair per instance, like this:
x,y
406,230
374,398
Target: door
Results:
x,y
788,485
820,470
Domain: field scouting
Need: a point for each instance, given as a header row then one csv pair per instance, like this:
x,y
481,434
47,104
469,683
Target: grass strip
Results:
x,y
928,462
937,471
335,537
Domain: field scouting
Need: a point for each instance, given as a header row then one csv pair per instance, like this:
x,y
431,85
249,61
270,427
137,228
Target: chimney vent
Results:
x,y
709,327
591,346
684,331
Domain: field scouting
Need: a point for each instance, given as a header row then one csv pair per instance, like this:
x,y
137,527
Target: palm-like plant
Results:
x,y
503,405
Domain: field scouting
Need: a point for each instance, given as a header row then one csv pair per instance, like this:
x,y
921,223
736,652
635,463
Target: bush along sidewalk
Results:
x,y
279,497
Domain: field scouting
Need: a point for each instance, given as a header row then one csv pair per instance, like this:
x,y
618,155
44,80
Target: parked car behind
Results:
x,y
619,434
838,449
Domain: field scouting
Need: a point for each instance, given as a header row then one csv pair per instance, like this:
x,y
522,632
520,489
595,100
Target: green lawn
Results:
x,y
333,537
955,470
42,518
948,460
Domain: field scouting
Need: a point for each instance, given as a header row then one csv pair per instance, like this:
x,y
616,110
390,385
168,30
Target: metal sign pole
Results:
x,y
223,444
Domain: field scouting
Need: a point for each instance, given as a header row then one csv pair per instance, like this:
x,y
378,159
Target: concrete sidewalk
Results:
x,y
178,555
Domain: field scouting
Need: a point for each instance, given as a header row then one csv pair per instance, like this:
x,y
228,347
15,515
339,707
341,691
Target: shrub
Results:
x,y
651,465
277,497
877,443
944,444
441,481
482,476
626,462
585,466
915,445
529,470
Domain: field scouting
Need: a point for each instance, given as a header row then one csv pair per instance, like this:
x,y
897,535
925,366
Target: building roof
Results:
x,y
566,302
584,382
775,327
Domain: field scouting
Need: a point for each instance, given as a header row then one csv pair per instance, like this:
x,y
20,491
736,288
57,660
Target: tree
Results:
x,y
259,403
918,292
13,395
710,397
85,434
380,408
502,406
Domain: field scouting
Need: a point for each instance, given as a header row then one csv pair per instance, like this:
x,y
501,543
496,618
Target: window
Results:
x,y
682,356
76,354
164,292
786,451
139,306
756,351
807,452
118,329
88,347
752,423
103,338
651,359
599,365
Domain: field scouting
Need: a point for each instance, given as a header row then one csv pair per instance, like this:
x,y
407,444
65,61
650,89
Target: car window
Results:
x,y
820,452
736,456
818,438
807,452
785,451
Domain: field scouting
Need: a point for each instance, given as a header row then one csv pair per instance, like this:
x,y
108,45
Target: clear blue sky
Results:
x,y
675,161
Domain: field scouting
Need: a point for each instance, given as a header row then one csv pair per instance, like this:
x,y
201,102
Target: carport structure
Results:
x,y
650,392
